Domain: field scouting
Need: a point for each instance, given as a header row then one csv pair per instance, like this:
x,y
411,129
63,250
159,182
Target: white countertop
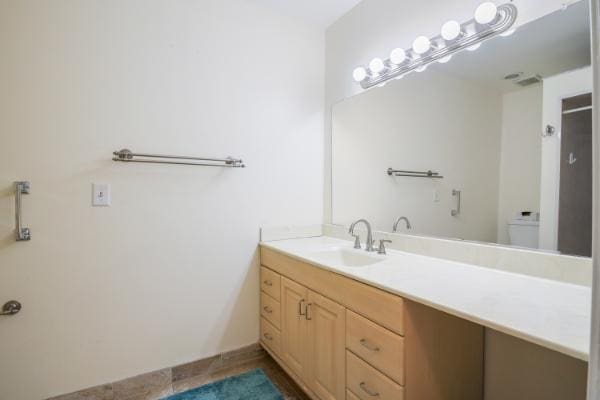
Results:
x,y
549,313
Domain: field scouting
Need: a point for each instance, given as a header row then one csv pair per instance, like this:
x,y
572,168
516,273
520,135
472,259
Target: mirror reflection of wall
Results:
x,y
510,139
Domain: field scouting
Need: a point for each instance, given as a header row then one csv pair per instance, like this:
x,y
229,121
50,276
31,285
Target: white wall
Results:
x,y
427,121
556,88
169,272
520,157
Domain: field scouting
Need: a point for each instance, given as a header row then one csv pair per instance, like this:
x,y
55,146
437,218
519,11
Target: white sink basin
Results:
x,y
345,257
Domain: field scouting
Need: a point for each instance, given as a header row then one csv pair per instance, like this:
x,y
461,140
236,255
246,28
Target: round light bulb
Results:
x,y
474,47
485,13
376,65
421,68
450,30
444,60
421,45
397,56
359,74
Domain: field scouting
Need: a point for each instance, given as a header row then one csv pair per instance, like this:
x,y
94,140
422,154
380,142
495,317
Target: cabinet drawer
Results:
x,y
378,346
367,383
351,396
270,283
270,336
270,309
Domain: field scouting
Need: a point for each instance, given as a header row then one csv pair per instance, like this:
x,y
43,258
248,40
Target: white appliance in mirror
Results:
x,y
492,146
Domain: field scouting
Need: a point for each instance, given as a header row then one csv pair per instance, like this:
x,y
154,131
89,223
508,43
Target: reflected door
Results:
x,y
575,196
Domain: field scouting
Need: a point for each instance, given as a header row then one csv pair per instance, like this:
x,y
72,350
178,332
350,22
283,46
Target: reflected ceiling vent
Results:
x,y
527,81
513,76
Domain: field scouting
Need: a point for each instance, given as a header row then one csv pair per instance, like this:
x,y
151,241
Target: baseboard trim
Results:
x,y
158,384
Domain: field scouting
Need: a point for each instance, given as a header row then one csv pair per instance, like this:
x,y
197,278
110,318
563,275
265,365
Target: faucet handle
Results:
x,y
382,243
356,241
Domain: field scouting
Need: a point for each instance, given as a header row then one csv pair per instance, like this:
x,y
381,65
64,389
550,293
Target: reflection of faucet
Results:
x,y
369,242
408,225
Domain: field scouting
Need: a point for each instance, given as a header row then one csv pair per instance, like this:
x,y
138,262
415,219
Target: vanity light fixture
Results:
x,y
489,21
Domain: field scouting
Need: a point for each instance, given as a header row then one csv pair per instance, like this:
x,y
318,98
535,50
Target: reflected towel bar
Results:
x,y
128,156
414,174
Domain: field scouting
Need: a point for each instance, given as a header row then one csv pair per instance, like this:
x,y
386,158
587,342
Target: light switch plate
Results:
x,y
100,195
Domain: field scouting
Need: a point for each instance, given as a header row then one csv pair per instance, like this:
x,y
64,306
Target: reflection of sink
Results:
x,y
345,258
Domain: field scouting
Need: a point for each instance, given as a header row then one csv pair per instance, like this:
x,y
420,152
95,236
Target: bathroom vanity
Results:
x,y
345,323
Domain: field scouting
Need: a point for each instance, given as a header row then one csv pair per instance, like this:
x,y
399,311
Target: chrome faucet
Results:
x,y
408,225
369,242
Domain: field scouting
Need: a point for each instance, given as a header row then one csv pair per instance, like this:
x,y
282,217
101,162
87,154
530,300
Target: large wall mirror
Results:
x,y
493,146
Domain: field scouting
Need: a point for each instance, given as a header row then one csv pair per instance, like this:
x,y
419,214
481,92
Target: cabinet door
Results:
x,y
326,337
294,342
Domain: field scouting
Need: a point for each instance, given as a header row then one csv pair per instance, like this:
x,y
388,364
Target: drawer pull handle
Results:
x,y
268,336
308,318
300,304
368,391
268,283
268,309
368,346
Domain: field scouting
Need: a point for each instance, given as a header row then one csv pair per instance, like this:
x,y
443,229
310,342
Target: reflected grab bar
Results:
x,y
456,211
21,187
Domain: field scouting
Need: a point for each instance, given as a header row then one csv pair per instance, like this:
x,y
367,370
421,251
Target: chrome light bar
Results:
x,y
468,35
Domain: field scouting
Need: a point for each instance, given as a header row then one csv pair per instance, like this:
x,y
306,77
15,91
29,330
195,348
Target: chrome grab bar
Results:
x,y
456,211
21,187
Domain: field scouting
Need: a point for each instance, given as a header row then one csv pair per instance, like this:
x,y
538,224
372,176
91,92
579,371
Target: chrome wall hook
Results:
x,y
11,308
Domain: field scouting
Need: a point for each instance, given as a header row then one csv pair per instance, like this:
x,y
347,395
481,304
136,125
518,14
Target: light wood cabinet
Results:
x,y
270,309
270,336
350,395
313,339
294,337
343,339
368,383
270,283
376,345
326,332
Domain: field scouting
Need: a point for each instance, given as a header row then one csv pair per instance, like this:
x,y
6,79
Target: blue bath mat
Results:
x,y
253,385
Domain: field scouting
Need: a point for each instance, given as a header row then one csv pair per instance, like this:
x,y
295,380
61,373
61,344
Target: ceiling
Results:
x,y
555,43
321,13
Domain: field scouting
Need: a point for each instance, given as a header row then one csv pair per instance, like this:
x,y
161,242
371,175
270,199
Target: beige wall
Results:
x,y
520,157
168,273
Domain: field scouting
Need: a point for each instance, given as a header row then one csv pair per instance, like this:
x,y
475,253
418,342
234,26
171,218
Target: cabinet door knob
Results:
x,y
368,346
368,391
